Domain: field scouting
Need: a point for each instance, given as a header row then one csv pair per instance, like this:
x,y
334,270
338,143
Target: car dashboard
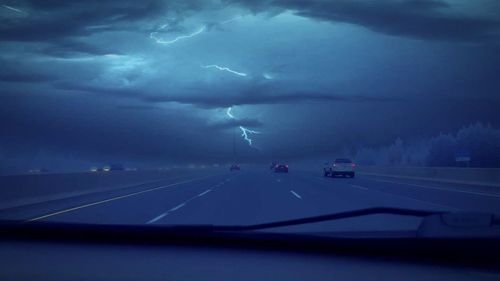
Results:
x,y
94,252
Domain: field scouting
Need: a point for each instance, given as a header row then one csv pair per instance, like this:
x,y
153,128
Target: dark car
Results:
x,y
281,168
234,167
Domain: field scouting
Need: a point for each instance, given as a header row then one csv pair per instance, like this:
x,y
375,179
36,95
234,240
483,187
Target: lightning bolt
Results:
x,y
153,35
228,113
244,134
13,9
223,68
244,131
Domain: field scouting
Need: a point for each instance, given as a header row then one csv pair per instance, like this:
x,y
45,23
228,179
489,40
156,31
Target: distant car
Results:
x,y
234,167
281,168
340,167
38,171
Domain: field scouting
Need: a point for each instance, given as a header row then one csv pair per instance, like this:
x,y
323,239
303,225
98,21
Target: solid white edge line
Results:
x,y
439,188
417,200
408,198
296,195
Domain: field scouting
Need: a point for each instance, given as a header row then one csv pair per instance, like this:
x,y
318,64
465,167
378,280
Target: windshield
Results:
x,y
170,112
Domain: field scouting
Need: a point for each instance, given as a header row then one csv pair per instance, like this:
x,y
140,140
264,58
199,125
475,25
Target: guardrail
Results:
x,y
478,176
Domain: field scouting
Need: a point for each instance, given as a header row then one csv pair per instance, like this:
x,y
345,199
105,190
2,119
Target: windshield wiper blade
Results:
x,y
328,217
13,226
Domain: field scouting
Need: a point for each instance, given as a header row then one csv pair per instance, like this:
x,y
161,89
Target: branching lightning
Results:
x,y
153,35
224,68
244,131
244,134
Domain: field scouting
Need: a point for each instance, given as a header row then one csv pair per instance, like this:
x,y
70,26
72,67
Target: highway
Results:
x,y
258,195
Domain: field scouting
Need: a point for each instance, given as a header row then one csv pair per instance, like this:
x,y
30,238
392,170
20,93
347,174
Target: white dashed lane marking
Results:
x,y
184,203
157,218
295,193
167,212
177,207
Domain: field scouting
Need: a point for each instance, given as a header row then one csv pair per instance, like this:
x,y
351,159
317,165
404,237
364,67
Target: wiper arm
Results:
x,y
13,226
328,217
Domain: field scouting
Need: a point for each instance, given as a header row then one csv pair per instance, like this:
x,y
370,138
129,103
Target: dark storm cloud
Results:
x,y
24,77
56,24
56,20
265,98
420,19
379,91
69,47
99,131
122,92
51,21
233,123
137,107
10,73
251,95
61,24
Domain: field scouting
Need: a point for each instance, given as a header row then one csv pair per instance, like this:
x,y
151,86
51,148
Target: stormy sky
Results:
x,y
170,82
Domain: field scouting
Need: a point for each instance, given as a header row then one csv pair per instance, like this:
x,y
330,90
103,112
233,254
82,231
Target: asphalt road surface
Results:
x,y
257,196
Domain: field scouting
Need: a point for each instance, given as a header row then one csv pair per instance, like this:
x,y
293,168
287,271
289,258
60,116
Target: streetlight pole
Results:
x,y
234,145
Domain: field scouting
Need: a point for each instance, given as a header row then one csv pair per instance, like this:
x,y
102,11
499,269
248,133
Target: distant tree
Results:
x,y
482,143
366,156
416,152
442,151
396,152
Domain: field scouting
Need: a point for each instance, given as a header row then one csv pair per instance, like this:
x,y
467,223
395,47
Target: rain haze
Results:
x,y
155,83
250,140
